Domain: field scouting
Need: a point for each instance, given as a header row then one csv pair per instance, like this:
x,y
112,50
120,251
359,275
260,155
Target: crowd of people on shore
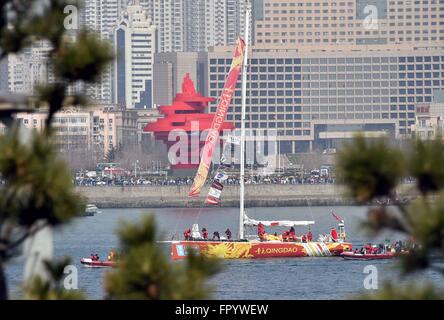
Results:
x,y
179,181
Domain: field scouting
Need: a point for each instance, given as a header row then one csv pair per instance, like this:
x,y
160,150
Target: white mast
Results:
x,y
242,139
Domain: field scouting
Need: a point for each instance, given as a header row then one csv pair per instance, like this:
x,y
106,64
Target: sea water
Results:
x,y
297,278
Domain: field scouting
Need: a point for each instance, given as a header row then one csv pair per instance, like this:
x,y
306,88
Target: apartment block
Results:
x,y
194,26
93,130
25,71
101,16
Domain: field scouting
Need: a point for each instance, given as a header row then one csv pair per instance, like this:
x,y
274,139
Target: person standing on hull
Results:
x,y
187,234
228,234
204,234
309,236
260,231
334,235
216,236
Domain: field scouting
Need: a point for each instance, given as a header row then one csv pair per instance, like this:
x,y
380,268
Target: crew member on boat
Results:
x,y
334,235
309,236
228,234
216,236
187,234
289,235
112,255
260,230
95,257
368,248
292,233
204,234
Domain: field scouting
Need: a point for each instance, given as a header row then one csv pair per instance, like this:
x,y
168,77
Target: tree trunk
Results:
x,y
3,284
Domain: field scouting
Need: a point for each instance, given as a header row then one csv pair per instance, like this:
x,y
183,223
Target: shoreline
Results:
x,y
265,203
256,196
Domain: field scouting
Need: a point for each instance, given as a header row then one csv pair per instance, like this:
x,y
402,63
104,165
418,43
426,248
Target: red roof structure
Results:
x,y
186,113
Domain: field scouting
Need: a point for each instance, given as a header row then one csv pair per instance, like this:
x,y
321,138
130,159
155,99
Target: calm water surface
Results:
x,y
302,278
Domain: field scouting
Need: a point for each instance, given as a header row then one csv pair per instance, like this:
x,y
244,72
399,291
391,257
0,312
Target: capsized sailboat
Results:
x,y
262,245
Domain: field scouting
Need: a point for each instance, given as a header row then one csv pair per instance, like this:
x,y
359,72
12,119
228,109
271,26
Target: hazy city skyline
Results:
x,y
319,70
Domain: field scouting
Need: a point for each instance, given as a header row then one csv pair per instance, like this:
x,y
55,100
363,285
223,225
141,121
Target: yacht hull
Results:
x,y
258,250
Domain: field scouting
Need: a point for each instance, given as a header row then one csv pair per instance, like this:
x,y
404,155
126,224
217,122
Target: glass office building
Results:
x,y
315,99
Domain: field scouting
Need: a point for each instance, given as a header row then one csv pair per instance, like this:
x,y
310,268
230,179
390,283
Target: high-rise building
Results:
x,y
168,17
135,45
4,74
102,16
196,25
314,22
315,98
12,68
25,71
170,69
235,21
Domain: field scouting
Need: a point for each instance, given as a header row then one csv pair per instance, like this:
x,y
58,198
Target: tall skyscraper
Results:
x,y
168,17
102,16
135,45
196,25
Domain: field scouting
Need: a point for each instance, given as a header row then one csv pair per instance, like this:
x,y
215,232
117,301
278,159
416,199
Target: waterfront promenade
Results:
x,y
256,195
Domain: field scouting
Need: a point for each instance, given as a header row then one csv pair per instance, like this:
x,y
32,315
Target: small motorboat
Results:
x,y
367,256
88,262
90,211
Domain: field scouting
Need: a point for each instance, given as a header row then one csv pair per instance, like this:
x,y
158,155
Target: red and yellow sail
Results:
x,y
219,119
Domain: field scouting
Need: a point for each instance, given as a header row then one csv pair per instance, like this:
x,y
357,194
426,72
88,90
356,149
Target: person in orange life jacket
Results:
x,y
292,234
309,236
334,235
368,248
260,230
187,234
204,234
304,238
228,234
286,236
112,255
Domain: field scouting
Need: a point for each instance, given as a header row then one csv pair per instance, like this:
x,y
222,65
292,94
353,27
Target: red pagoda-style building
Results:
x,y
188,107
